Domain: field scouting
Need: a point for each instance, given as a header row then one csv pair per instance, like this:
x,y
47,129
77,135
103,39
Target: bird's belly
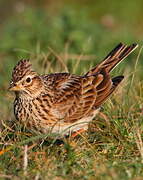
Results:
x,y
65,128
35,117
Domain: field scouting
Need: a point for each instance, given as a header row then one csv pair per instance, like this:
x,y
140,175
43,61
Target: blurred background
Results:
x,y
65,35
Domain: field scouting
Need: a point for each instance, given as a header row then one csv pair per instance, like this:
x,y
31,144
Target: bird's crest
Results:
x,y
21,69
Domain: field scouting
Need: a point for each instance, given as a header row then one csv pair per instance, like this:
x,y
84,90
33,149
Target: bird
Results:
x,y
64,103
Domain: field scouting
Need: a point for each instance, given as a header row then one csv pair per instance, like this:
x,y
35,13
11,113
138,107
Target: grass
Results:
x,y
112,148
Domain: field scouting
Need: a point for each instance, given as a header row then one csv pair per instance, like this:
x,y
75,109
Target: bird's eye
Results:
x,y
28,80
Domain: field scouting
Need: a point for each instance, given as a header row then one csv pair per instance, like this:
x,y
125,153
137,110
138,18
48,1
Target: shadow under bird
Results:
x,y
61,102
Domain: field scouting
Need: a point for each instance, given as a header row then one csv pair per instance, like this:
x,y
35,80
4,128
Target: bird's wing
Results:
x,y
78,96
74,96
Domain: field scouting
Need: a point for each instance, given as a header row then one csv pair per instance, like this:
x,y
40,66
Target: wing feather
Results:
x,y
75,97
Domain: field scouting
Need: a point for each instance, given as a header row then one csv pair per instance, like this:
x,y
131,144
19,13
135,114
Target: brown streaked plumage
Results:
x,y
63,102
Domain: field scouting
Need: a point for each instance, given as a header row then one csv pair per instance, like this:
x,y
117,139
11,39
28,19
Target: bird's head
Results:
x,y
25,80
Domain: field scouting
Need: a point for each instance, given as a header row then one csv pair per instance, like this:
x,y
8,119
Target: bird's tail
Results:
x,y
119,53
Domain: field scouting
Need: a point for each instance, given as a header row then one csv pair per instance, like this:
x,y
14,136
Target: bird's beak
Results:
x,y
14,87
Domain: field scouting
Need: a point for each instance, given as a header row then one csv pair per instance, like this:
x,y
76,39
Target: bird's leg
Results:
x,y
78,132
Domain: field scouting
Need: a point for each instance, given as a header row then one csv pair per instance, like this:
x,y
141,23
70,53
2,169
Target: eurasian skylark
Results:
x,y
63,102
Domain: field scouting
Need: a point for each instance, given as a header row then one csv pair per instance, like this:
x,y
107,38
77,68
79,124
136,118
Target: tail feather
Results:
x,y
119,53
103,95
116,80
